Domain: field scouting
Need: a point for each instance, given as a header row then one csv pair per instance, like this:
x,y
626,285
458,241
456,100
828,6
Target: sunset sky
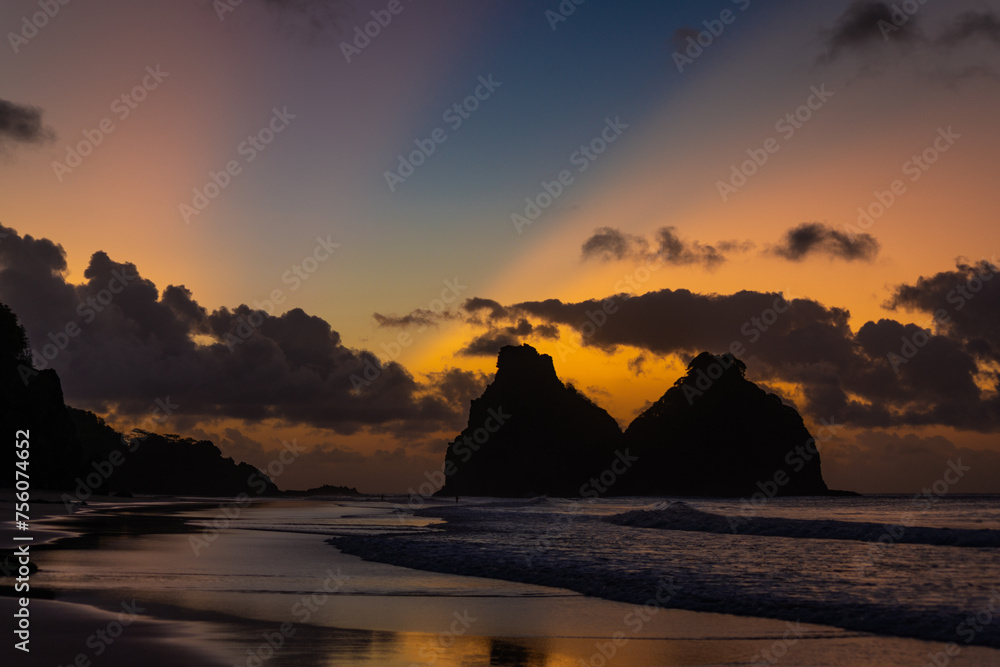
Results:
x,y
651,121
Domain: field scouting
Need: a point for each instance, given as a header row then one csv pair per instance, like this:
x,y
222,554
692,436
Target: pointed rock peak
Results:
x,y
714,367
529,434
523,362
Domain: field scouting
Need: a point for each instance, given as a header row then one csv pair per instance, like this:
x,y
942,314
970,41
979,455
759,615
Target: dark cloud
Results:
x,y
503,327
734,246
309,17
36,267
119,345
816,238
488,344
940,376
185,308
673,250
476,304
549,331
937,51
22,124
421,318
522,328
864,23
965,304
680,321
886,374
637,364
458,387
972,25
610,244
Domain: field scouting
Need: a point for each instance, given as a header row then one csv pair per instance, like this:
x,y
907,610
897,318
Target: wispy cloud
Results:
x,y
813,238
23,124
609,244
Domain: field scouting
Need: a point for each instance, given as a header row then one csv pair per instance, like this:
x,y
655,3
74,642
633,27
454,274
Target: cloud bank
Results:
x,y
119,345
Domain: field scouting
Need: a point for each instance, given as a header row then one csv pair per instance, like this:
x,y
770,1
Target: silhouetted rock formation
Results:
x,y
152,463
33,400
715,433
75,451
529,434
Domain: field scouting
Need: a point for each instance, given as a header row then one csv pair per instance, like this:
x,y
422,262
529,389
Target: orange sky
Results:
x,y
324,175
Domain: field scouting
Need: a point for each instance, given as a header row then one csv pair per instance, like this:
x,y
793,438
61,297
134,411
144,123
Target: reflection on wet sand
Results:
x,y
257,597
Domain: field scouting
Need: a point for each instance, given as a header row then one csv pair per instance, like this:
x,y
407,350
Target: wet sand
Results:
x,y
64,633
263,596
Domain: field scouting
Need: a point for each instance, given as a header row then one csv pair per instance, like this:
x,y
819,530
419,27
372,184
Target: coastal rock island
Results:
x,y
713,433
529,434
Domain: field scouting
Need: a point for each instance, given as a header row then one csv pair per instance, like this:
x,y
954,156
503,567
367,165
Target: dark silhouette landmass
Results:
x,y
715,433
75,451
54,451
154,463
529,434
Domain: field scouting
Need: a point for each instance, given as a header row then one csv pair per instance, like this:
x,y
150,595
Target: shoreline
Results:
x,y
87,631
413,552
209,638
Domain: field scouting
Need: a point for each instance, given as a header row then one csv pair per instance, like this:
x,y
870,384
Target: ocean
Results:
x,y
879,580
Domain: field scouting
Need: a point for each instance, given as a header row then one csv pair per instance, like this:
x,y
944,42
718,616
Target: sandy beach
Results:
x,y
64,633
258,596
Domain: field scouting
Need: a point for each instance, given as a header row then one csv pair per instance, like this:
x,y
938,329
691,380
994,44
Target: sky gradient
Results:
x,y
646,128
